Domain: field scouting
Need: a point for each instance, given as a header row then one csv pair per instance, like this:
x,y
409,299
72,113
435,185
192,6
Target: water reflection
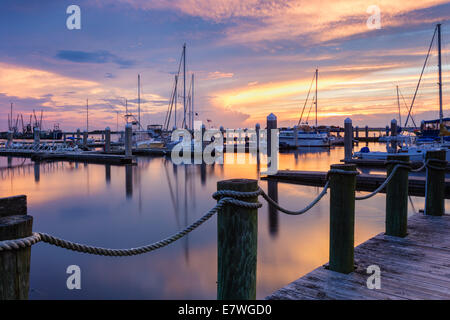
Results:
x,y
128,206
272,191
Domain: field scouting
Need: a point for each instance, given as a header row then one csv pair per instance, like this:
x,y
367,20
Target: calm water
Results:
x,y
121,207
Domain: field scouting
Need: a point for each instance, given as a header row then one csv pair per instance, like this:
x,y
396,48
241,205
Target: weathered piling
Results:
x,y
258,136
128,133
348,138
237,240
366,129
397,198
10,139
342,217
271,124
387,131
78,135
37,136
435,183
85,138
107,139
394,135
296,136
14,264
356,132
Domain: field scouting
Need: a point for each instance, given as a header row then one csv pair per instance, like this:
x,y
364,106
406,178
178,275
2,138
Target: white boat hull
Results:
x,y
305,139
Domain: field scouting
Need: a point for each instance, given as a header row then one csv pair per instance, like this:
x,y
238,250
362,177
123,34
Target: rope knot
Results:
x,y
436,164
233,197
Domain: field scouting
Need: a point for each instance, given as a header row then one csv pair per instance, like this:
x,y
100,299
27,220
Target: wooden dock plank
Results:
x,y
88,157
414,267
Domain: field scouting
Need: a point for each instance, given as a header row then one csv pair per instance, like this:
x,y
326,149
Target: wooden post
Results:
x,y
435,185
237,240
128,134
342,218
15,264
397,199
37,136
348,139
85,138
258,136
394,135
367,135
356,132
10,139
271,124
296,136
107,139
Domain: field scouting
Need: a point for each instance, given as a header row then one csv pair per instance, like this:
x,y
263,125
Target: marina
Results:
x,y
230,152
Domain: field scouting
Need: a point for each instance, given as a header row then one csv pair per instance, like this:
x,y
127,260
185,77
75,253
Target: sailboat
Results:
x,y
306,136
433,133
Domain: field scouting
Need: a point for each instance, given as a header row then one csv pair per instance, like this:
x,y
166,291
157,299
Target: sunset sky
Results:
x,y
250,58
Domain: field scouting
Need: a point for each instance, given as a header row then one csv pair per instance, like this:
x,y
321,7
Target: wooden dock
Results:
x,y
87,157
364,182
414,267
381,163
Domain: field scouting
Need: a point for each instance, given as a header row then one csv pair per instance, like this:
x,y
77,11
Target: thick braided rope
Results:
x,y
298,212
384,184
37,237
22,243
421,168
312,203
239,194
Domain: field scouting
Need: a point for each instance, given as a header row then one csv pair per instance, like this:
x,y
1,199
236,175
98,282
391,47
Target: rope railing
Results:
x,y
301,211
400,164
36,237
223,197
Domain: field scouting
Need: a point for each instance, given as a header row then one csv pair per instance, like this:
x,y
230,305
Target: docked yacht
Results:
x,y
306,135
304,138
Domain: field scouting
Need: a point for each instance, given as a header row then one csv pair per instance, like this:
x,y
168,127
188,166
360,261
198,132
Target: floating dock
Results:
x,y
87,157
381,163
414,267
364,182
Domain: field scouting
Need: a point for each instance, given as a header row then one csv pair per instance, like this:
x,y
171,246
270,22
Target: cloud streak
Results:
x,y
94,57
254,21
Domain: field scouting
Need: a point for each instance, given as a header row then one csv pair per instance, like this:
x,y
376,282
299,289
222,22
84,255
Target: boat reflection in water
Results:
x,y
129,206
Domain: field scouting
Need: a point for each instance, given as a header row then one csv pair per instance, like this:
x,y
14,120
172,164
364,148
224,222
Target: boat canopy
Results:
x,y
436,121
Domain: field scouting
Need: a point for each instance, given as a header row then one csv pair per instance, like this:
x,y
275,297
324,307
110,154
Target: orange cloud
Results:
x,y
66,96
316,21
219,75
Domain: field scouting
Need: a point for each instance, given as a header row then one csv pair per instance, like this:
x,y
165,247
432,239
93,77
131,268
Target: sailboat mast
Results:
x,y
10,117
192,103
399,113
139,99
126,109
184,84
441,115
317,75
175,95
87,115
